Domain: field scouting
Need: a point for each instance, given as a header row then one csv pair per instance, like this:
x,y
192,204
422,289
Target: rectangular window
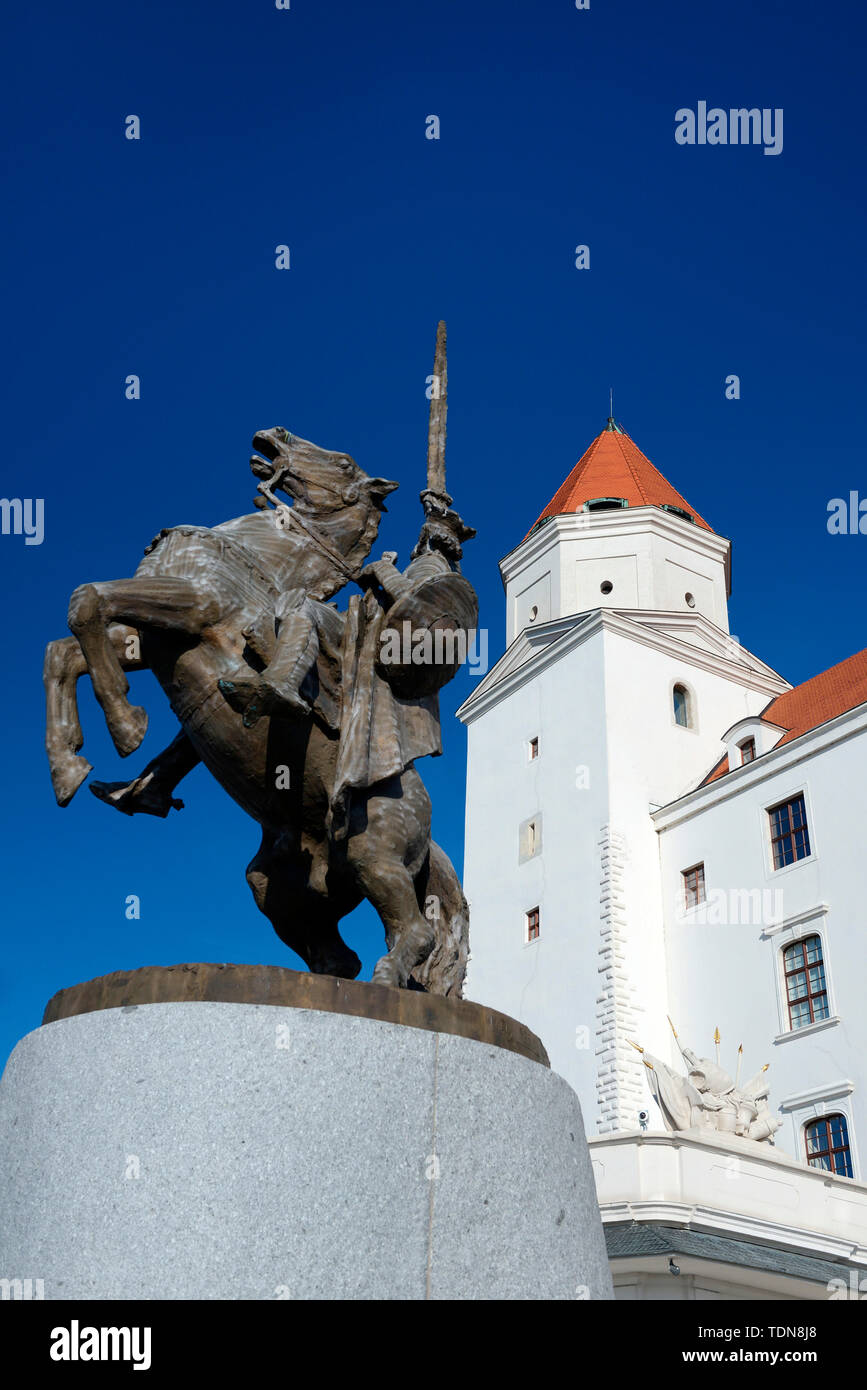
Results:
x,y
533,749
790,838
693,886
532,921
748,750
806,991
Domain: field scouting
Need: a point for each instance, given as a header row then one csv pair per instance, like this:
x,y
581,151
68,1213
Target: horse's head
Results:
x,y
319,481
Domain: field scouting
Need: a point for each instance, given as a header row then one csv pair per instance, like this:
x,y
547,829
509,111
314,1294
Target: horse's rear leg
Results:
x,y
175,604
388,843
409,935
388,884
305,920
441,898
64,663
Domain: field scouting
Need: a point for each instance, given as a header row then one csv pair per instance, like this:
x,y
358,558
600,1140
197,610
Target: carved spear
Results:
x,y
740,1059
716,1040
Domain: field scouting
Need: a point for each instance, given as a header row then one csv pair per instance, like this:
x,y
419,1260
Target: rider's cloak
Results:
x,y
380,734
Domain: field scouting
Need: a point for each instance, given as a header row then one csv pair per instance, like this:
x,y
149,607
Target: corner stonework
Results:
x,y
618,1081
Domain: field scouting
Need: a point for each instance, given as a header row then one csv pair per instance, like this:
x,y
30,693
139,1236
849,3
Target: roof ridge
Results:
x,y
642,491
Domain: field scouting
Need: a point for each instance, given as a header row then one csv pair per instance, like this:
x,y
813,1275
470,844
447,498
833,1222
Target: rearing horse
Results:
x,y
187,615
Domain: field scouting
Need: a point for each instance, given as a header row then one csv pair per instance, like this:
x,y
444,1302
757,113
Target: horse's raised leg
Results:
x,y
64,664
305,920
176,604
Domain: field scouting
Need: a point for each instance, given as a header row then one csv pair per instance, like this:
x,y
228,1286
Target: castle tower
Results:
x,y
618,677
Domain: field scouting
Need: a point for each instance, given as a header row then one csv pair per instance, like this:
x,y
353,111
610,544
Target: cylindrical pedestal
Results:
x,y
220,1150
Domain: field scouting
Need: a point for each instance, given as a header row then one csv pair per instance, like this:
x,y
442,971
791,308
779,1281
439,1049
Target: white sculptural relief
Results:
x,y
708,1099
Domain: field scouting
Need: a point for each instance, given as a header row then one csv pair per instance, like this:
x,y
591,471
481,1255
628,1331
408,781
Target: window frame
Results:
x,y
773,840
747,743
831,1150
814,921
529,935
678,683
684,882
804,970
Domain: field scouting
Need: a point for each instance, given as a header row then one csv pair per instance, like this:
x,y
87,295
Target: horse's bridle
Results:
x,y
285,516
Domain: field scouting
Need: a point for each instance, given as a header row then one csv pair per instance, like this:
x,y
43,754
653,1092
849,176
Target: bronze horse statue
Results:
x,y
332,782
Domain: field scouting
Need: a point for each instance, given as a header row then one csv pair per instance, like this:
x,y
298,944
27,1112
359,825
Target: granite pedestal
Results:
x,y
305,1147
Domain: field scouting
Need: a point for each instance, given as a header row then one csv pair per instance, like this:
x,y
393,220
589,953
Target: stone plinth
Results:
x,y
249,1150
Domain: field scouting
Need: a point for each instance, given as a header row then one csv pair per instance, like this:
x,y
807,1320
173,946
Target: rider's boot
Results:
x,y
151,792
277,689
144,794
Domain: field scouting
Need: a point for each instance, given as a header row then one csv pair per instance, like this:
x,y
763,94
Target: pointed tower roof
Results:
x,y
614,470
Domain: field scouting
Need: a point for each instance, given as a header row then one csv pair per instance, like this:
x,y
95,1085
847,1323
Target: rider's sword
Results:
x,y
436,431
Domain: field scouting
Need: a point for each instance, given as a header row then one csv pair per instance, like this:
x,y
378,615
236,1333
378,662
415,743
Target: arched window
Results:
x,y
827,1143
680,705
806,991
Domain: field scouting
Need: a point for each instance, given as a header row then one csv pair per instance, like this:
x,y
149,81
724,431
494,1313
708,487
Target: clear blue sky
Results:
x,y
307,127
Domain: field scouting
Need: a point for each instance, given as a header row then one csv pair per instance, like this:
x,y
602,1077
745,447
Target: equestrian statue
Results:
x,y
298,708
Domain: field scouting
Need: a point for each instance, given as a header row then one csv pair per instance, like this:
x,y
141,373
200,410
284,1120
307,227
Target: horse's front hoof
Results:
x,y
67,777
128,731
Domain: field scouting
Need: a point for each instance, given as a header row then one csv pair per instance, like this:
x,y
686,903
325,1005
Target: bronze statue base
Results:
x,y
274,984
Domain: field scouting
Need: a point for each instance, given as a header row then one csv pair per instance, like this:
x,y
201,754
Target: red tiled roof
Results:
x,y
614,466
817,700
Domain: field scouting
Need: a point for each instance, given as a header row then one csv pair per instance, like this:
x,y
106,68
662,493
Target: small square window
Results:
x,y
530,838
693,886
533,749
531,919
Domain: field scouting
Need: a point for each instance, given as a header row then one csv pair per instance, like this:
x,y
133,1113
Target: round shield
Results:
x,y
427,635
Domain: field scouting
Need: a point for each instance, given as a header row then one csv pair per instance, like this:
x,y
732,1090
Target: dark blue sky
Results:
x,y
307,127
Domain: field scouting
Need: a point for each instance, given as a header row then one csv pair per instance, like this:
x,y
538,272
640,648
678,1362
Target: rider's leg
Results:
x,y
151,791
174,604
277,689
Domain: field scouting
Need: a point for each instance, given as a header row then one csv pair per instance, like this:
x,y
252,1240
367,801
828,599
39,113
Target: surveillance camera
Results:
x,y
673,1268
643,1117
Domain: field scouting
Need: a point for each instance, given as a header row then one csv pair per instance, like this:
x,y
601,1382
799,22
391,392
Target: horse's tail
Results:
x,y
442,901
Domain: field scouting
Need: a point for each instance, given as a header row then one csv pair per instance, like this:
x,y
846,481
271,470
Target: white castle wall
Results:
x,y
726,970
615,954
